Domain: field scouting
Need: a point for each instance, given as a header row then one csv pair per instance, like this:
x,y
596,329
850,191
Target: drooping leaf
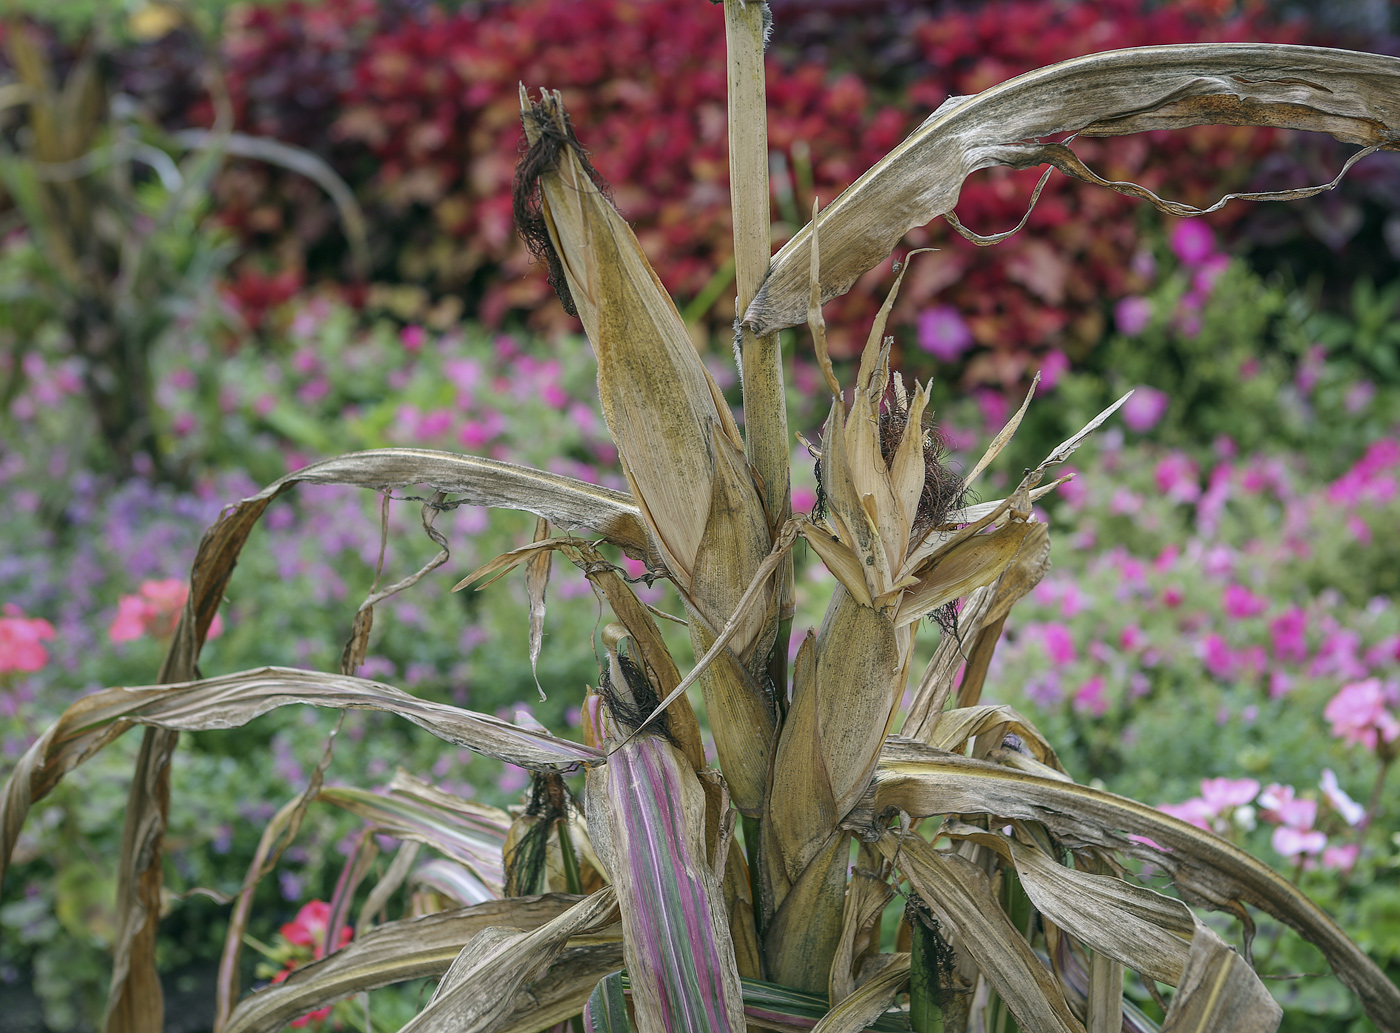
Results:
x,y
235,699
960,896
1207,869
1354,97
478,989
466,832
415,948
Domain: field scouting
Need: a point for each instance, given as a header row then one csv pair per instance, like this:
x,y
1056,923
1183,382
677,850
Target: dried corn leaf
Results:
x,y
411,948
1219,991
868,1003
646,814
956,727
468,833
477,992
235,699
1354,97
1207,869
536,582
960,896
563,991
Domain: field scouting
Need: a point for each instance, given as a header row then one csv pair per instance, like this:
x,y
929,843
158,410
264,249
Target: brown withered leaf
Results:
x,y
1355,97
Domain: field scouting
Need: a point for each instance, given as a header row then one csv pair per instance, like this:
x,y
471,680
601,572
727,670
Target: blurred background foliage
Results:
x,y
235,238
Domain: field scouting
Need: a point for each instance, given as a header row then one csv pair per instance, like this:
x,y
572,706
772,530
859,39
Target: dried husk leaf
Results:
x,y
956,727
801,937
1354,97
960,896
866,897
868,1003
411,948
975,562
466,832
800,799
674,435
1207,870
536,583
646,813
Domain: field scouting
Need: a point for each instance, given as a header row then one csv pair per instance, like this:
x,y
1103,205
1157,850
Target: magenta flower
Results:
x,y
1289,631
1280,805
412,338
22,641
1218,658
1090,698
1178,477
1131,315
803,499
1052,368
1145,408
1341,858
1059,643
943,333
1359,714
1240,602
1192,241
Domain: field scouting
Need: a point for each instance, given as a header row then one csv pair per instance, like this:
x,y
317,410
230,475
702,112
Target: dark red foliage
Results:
x,y
417,107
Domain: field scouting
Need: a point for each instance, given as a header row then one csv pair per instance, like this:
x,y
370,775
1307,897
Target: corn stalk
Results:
x,y
1020,904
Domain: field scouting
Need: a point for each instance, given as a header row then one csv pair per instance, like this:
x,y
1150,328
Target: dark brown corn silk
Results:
x,y
541,158
526,867
943,491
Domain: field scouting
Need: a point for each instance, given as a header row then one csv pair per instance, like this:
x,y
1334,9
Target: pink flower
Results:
x,y
154,610
1341,858
1218,658
1131,638
1358,714
1192,241
1052,368
1281,806
1059,643
1178,478
1090,697
1173,596
803,499
1351,811
943,333
1240,602
1195,810
1145,408
1131,315
994,409
1224,793
21,641
412,338
1290,842
1289,631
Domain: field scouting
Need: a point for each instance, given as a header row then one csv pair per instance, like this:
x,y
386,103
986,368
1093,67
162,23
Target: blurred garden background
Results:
x,y
235,238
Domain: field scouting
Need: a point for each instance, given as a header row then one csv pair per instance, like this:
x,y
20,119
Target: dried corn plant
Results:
x,y
680,897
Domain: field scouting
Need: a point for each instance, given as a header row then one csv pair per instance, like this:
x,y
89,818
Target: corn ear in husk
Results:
x,y
678,444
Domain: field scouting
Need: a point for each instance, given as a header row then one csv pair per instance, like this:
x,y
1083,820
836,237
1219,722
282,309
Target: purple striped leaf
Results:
x,y
646,814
